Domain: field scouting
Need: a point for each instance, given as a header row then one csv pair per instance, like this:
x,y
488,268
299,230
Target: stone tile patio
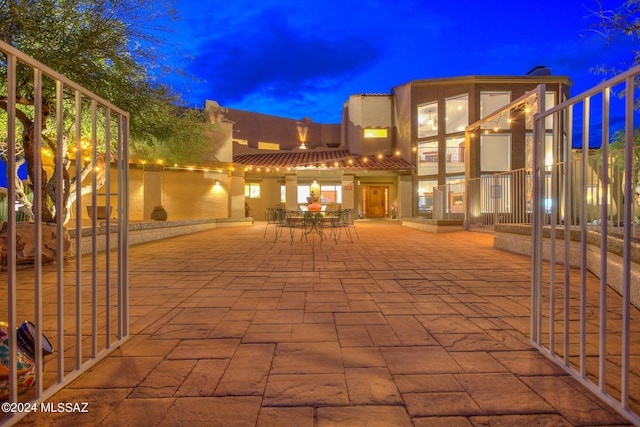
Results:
x,y
399,328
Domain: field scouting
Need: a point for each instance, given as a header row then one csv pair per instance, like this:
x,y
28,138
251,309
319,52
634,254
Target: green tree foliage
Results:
x,y
112,49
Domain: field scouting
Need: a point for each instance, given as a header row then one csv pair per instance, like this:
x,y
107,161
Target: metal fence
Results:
x,y
585,275
500,198
79,304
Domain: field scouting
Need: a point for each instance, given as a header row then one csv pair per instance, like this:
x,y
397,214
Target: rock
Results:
x,y
25,243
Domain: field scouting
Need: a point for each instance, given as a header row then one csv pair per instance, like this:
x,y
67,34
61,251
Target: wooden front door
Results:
x,y
376,199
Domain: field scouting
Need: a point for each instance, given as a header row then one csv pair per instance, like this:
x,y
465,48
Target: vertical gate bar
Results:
x,y
94,231
60,218
536,274
583,233
626,273
555,142
568,200
78,190
11,221
37,210
120,210
124,227
604,238
107,243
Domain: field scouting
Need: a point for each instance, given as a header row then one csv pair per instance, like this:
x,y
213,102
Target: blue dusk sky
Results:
x,y
305,58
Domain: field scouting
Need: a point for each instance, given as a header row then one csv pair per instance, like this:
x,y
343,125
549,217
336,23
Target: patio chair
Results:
x,y
293,220
339,222
271,215
351,216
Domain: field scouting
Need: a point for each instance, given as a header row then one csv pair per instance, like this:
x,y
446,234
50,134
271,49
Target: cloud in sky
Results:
x,y
304,59
277,60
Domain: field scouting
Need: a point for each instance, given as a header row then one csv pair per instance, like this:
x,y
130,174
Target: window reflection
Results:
x,y
457,113
427,120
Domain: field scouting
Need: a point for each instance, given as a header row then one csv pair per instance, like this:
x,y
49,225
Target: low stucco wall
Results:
x,y
517,238
433,225
149,231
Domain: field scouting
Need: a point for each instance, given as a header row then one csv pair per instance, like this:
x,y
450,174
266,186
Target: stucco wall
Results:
x,y
185,195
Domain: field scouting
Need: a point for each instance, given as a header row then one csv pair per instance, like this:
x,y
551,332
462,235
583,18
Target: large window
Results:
x,y
455,154
375,133
495,152
548,150
493,101
549,102
427,120
328,193
252,190
331,193
428,158
304,191
457,114
425,195
268,146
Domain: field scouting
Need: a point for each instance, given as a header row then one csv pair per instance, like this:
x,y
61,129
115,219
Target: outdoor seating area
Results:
x,y
303,224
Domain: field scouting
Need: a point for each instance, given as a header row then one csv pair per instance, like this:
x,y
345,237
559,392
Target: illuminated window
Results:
x,y
427,120
495,152
283,194
493,101
241,141
457,113
425,195
268,146
304,191
455,154
428,158
252,190
548,150
331,193
375,133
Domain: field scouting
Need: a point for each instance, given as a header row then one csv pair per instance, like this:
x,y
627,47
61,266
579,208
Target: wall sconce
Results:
x,y
217,184
303,127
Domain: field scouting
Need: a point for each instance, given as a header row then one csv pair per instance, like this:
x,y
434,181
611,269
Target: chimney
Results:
x,y
539,70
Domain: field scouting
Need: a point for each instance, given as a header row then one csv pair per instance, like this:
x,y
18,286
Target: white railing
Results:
x,y
448,201
578,320
80,304
498,199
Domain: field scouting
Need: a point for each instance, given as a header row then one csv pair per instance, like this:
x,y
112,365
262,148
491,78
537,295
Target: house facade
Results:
x,y
390,150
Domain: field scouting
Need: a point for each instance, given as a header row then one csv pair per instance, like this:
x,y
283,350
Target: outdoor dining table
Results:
x,y
308,222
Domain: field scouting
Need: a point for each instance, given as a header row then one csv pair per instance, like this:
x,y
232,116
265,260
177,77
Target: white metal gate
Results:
x,y
80,303
585,275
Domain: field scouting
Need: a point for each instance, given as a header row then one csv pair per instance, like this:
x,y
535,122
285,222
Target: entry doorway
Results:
x,y
375,201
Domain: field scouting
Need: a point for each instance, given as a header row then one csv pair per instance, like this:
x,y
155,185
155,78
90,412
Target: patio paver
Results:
x,y
399,328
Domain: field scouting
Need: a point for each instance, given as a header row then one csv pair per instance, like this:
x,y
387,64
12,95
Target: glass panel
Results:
x,y
428,158
457,114
425,195
268,146
331,194
530,110
252,190
492,101
455,155
427,120
549,102
283,194
495,152
375,133
548,150
303,192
